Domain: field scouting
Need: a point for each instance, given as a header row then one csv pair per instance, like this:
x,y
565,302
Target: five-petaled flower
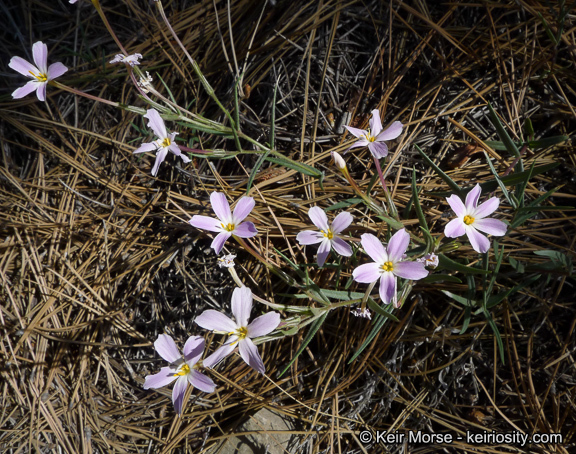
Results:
x,y
227,224
241,333
388,263
131,60
163,144
181,369
40,74
328,235
374,137
472,217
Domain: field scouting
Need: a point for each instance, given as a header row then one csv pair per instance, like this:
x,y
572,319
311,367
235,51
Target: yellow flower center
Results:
x,y
242,332
165,143
468,219
40,76
387,266
184,370
369,137
329,234
229,228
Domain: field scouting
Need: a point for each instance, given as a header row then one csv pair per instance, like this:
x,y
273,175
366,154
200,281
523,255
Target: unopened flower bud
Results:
x,y
338,160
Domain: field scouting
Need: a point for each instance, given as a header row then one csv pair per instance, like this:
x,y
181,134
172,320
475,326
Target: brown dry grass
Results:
x,y
96,257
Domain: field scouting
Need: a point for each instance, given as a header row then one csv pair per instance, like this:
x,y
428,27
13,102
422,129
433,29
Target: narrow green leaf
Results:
x,y
255,170
380,310
417,206
440,173
441,278
499,181
546,142
449,264
460,299
309,336
298,166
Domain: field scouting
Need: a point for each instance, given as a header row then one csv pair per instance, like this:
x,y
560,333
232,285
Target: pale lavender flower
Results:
x,y
328,235
388,263
430,260
374,137
40,74
163,144
240,331
472,217
72,1
131,60
227,224
181,369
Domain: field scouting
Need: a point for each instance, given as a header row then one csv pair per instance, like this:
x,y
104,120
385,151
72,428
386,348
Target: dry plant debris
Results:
x,y
97,258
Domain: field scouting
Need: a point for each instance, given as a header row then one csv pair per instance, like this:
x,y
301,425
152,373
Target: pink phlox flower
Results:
x,y
227,224
389,262
163,144
328,235
430,260
181,369
131,60
472,218
374,137
40,74
240,331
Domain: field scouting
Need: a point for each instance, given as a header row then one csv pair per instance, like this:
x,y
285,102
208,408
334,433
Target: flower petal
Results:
x,y
375,123
398,245
221,207
457,206
41,91
341,222
219,355
201,381
243,209
242,305
387,287
478,241
156,123
323,251
491,226
40,54
178,393
410,270
391,132
218,242
56,70
25,90
206,223
309,237
245,230
193,349
367,273
161,379
374,248
250,355
150,146
341,246
264,324
166,348
215,321
472,198
455,228
319,218
361,143
160,156
486,208
378,149
24,67
356,132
